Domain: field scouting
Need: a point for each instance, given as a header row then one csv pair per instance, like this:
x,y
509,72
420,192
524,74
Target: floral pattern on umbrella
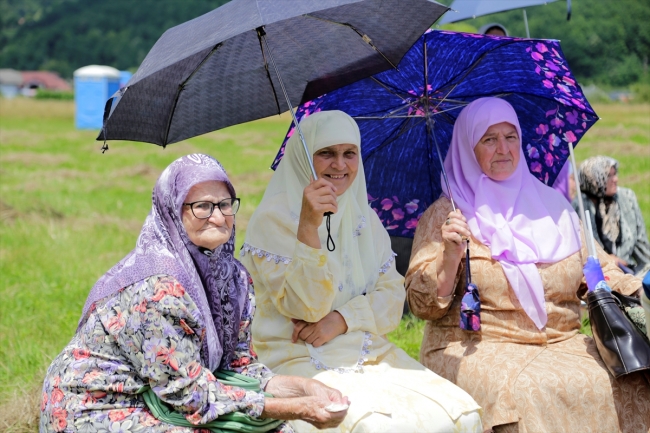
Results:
x,y
440,74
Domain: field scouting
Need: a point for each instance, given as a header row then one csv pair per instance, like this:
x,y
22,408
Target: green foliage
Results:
x,y
54,94
63,35
606,42
641,92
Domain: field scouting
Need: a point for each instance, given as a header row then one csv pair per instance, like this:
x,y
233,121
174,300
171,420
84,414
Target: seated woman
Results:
x,y
325,314
527,366
176,308
616,219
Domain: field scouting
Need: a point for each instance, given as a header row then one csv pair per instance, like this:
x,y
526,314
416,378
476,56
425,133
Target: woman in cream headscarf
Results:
x,y
325,314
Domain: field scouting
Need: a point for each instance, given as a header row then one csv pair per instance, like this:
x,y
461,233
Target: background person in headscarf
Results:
x,y
616,218
176,308
527,366
494,29
324,314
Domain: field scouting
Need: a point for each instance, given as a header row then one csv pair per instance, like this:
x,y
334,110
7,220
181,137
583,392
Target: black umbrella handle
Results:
x,y
329,235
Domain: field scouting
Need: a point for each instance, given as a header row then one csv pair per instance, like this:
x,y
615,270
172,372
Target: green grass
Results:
x,y
68,213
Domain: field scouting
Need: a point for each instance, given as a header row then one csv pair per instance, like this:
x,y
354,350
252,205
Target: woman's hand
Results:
x,y
321,332
304,399
323,394
317,198
455,232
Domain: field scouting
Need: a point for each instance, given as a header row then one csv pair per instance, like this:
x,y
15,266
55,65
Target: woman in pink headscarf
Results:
x,y
527,366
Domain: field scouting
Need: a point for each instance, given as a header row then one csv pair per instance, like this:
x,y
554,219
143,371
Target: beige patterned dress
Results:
x,y
543,381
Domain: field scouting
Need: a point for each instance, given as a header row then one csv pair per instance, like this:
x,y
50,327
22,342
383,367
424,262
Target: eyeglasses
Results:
x,y
203,209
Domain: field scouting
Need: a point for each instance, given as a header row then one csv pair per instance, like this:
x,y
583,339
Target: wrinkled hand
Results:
x,y
455,233
321,332
317,198
319,396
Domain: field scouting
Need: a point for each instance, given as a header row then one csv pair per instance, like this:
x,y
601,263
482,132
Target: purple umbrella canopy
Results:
x,y
406,114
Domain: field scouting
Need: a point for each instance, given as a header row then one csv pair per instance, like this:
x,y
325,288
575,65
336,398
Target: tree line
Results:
x,y
606,42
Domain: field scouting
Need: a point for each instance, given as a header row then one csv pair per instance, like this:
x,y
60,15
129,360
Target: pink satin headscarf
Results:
x,y
520,219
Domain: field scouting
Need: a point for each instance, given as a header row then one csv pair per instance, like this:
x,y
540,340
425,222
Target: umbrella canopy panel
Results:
x,y
213,71
440,74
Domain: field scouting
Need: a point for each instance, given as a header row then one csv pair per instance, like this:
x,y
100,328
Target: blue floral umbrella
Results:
x,y
406,115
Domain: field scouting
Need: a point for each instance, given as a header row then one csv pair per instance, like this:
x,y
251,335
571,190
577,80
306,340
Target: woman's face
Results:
x,y
338,164
213,231
498,151
612,182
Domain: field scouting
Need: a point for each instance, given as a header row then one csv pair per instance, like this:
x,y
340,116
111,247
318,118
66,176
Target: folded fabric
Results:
x,y
227,423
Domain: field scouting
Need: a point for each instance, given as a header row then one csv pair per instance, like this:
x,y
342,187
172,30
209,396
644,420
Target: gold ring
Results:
x,y
448,221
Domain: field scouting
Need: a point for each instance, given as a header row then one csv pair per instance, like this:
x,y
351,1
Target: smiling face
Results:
x,y
338,164
498,151
210,232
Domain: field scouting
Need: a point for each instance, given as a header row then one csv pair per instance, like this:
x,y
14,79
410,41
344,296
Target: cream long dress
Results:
x,y
551,380
389,391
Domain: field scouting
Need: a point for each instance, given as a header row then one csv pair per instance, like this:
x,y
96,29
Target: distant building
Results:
x,y
10,83
33,80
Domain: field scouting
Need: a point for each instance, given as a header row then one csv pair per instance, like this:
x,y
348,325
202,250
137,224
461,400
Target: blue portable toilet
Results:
x,y
125,76
93,85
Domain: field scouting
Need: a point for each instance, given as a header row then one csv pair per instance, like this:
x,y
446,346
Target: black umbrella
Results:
x,y
224,67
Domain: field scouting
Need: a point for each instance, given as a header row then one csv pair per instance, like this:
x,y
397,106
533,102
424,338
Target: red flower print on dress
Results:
x,y
168,287
167,356
90,376
80,353
57,396
116,323
43,401
59,416
185,327
194,369
117,415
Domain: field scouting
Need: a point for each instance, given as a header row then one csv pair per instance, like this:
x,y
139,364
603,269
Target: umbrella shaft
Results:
x,y
262,35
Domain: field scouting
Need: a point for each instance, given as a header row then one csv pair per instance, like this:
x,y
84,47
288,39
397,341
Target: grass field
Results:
x,y
68,213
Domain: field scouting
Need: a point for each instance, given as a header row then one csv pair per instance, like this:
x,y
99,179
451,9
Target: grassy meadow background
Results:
x,y
69,212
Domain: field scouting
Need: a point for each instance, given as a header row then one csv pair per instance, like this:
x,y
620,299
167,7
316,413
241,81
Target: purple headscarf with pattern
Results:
x,y
215,280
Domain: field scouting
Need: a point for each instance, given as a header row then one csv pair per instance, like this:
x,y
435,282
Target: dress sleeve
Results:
x,y
422,275
380,311
245,361
301,289
159,329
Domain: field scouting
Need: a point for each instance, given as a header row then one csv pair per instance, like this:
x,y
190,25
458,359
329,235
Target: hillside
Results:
x,y
607,42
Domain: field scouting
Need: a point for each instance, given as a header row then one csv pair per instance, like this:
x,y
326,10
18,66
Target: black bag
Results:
x,y
622,346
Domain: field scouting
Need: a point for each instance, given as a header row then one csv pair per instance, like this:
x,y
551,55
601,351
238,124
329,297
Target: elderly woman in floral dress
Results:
x,y
175,309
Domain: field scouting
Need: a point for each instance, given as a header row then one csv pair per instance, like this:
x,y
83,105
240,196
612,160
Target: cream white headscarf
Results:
x,y
362,243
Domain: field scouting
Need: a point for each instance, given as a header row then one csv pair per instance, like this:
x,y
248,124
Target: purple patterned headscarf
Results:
x,y
215,280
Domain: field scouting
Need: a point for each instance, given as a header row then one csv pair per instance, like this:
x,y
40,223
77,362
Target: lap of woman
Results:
x,y
395,394
561,387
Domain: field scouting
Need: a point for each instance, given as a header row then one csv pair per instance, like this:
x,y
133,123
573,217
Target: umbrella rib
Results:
x,y
182,86
268,73
364,37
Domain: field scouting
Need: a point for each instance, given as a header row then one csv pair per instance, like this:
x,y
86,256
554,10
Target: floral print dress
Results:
x,y
150,333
